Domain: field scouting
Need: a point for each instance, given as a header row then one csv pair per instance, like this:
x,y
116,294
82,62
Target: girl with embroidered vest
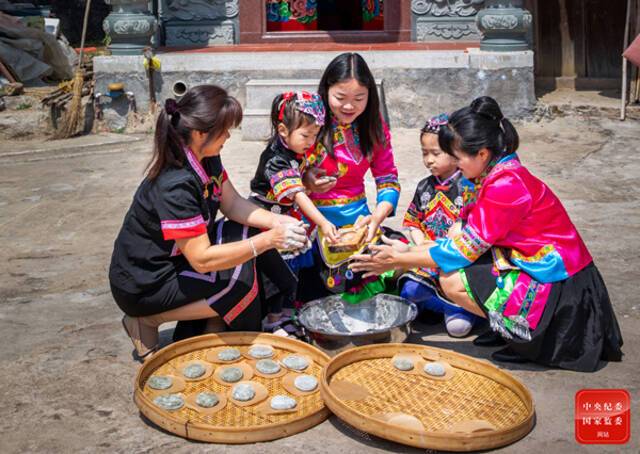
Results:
x,y
518,260
435,207
354,140
172,260
296,118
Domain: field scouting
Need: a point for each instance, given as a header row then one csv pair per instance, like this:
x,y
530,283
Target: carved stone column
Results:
x,y
130,26
504,25
445,20
200,22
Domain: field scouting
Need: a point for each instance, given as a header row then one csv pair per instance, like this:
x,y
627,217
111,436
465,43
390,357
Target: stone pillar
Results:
x,y
437,20
130,26
200,22
504,25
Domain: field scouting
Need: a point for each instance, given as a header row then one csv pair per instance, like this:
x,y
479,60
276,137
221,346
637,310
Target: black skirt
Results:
x,y
236,294
576,329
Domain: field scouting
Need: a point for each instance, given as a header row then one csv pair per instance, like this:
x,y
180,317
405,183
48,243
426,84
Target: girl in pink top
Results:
x,y
516,259
354,141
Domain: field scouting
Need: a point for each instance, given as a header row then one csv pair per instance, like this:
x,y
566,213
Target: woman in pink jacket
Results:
x,y
516,258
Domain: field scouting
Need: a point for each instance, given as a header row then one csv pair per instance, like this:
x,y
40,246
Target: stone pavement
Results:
x,y
66,373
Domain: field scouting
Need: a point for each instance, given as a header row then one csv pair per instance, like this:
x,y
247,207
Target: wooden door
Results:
x,y
603,31
579,38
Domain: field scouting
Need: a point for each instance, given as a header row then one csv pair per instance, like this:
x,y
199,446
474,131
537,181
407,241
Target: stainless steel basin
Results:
x,y
334,325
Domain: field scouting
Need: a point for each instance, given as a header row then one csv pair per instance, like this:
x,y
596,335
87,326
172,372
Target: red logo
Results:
x,y
603,416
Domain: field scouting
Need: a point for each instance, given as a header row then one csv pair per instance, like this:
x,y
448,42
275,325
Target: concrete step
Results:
x,y
260,94
256,124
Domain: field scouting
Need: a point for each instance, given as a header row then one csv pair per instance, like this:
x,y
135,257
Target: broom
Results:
x,y
71,120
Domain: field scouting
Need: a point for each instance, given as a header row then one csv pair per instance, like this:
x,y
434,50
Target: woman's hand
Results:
x,y
374,225
382,258
362,221
397,245
383,209
282,219
329,231
372,222
416,236
366,220
288,236
316,180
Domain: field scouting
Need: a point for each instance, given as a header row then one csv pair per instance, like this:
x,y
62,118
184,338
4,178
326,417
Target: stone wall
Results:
x,y
416,84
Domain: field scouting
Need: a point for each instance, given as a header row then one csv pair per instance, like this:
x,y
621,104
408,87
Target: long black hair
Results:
x,y
480,125
343,68
206,108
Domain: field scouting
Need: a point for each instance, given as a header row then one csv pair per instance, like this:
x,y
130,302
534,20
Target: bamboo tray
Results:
x,y
232,424
476,406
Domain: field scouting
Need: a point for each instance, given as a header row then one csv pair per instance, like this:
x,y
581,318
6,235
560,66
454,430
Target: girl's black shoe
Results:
x,y
489,339
506,355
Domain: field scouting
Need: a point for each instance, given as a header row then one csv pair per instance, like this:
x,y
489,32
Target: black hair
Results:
x,y
426,130
206,108
292,118
480,125
342,68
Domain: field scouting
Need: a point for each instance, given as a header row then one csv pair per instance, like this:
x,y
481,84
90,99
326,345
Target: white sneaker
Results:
x,y
458,325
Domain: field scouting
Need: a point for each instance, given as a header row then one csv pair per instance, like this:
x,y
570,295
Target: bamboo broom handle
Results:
x,y
623,105
84,32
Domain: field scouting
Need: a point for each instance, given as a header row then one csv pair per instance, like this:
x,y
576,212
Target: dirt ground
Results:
x,y
66,369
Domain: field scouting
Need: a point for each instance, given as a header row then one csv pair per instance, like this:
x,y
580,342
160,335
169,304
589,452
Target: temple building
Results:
x,y
428,56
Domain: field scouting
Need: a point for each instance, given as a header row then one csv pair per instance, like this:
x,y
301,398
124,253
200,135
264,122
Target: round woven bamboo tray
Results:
x,y
476,406
232,424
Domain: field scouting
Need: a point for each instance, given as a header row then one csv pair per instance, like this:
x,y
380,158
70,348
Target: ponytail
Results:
x,y
276,105
167,144
511,138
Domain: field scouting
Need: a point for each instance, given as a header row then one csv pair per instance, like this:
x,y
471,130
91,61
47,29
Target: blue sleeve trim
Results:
x,y
391,196
447,256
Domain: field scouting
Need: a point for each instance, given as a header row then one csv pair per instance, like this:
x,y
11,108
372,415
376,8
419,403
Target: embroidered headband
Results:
x,y
305,102
171,106
434,124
